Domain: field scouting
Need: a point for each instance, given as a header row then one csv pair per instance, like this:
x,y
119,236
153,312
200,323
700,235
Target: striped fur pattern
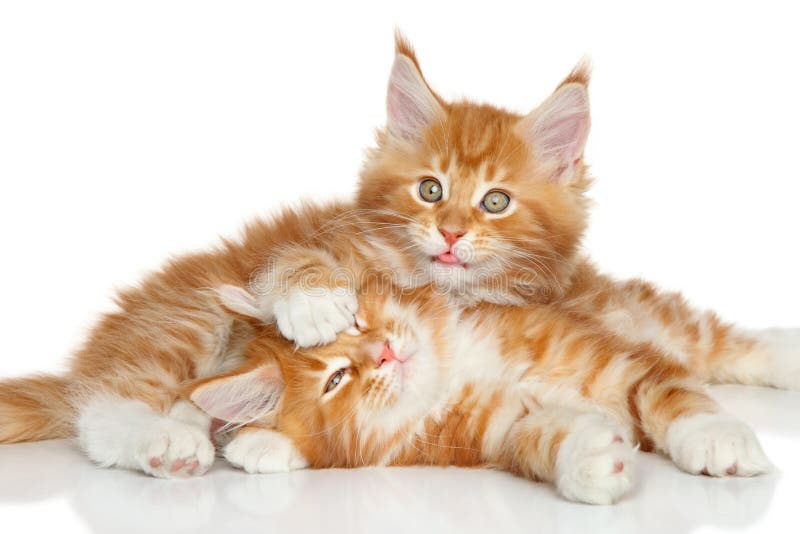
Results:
x,y
303,269
525,390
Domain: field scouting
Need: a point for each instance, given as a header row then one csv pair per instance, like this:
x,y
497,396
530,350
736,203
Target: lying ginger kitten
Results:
x,y
525,390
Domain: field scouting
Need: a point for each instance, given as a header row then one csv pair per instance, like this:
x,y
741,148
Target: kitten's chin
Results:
x,y
417,387
448,274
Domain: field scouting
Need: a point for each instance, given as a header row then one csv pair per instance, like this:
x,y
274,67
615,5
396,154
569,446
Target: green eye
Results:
x,y
334,380
495,201
430,190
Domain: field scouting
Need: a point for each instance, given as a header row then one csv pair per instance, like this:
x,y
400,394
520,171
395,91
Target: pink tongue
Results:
x,y
448,257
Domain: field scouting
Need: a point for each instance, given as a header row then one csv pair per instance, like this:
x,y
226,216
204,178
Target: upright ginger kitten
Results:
x,y
526,390
490,206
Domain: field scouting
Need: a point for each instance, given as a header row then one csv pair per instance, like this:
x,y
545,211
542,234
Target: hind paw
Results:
x,y
717,445
595,462
783,363
173,449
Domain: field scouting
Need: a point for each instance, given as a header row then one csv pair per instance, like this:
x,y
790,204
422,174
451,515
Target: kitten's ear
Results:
x,y
238,300
411,105
557,130
241,398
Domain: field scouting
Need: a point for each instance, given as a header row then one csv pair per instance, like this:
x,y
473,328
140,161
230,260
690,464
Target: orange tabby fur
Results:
x,y
511,410
166,332
171,331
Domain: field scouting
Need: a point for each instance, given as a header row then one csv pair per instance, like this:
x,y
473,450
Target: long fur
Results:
x,y
172,330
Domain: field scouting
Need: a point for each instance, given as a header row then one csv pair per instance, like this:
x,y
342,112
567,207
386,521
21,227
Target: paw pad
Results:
x,y
715,445
595,462
173,449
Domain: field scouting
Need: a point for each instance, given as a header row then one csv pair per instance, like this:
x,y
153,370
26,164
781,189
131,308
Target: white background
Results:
x,y
130,131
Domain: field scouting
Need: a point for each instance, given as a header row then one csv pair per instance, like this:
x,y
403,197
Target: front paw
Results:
x,y
717,445
264,451
314,316
595,461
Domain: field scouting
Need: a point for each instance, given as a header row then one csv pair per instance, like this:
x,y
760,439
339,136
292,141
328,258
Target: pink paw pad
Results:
x,y
618,467
618,439
732,469
177,464
193,466
155,462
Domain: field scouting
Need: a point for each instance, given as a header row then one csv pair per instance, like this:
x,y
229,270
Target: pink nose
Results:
x,y
387,355
451,236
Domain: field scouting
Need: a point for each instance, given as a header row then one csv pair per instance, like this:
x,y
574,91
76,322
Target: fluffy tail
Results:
x,y
35,408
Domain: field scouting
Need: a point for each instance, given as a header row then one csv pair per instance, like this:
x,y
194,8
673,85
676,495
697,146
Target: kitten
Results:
x,y
490,206
484,204
525,390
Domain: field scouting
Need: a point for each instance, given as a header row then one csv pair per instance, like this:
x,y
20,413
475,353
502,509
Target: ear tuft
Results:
x,y
581,73
241,398
402,46
411,105
558,129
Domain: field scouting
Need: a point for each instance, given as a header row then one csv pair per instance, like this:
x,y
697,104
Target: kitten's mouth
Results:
x,y
448,258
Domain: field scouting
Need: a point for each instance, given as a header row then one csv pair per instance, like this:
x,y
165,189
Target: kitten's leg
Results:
x,y
587,456
674,415
259,450
755,357
308,294
712,349
128,433
666,406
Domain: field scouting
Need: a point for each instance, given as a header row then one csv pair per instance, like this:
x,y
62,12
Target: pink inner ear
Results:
x,y
558,129
410,104
566,136
232,412
405,115
241,398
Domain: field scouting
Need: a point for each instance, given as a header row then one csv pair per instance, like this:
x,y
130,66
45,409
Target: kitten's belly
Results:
x,y
483,387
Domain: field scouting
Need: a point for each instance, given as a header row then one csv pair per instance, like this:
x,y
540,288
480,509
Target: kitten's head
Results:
x,y
476,197
349,396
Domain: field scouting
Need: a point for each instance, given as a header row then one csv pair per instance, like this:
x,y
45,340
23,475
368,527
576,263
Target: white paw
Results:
x,y
174,449
783,357
717,445
595,461
314,316
264,451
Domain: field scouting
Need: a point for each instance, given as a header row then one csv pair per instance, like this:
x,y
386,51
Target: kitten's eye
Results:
x,y
430,190
495,201
334,380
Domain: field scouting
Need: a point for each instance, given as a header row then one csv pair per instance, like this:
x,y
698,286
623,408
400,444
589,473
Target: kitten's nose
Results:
x,y
387,355
451,236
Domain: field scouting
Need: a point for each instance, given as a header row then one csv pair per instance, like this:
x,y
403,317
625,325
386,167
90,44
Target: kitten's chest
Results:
x,y
478,358
483,363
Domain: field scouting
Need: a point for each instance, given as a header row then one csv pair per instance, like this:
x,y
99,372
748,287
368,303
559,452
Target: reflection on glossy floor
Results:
x,y
50,485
